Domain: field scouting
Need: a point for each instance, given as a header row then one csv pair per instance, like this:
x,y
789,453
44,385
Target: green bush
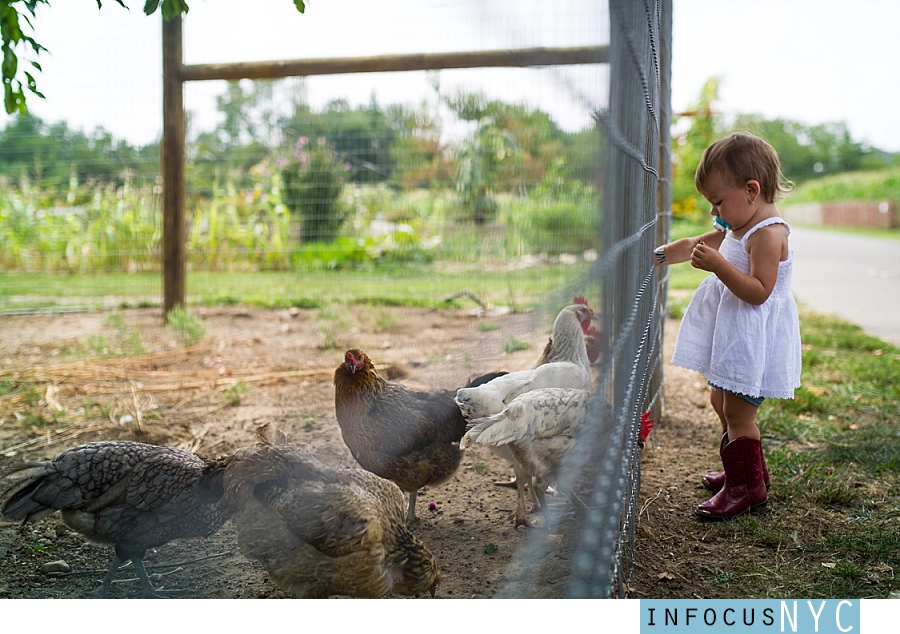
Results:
x,y
866,186
313,180
344,252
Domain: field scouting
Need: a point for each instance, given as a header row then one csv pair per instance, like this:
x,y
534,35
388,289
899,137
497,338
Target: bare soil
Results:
x,y
185,396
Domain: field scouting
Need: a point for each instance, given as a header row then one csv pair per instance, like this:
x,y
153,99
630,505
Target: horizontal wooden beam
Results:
x,y
393,63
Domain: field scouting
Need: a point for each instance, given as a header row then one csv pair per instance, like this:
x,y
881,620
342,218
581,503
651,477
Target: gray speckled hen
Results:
x,y
131,495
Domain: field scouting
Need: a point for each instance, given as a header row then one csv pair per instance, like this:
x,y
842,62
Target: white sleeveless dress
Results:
x,y
742,348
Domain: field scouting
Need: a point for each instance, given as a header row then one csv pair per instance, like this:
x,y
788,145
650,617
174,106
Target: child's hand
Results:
x,y
706,258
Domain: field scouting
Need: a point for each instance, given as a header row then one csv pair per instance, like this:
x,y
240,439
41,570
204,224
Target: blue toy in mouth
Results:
x,y
721,225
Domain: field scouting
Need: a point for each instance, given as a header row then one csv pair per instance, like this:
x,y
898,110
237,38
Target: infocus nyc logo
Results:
x,y
748,616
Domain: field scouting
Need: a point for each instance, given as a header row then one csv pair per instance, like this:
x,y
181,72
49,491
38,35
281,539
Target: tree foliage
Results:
x,y
17,35
361,137
705,127
59,158
806,151
418,157
511,146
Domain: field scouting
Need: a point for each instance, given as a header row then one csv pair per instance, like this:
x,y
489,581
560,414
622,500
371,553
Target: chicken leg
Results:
x,y
521,478
411,511
147,589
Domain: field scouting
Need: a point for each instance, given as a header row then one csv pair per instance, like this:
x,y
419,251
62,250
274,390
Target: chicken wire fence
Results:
x,y
488,187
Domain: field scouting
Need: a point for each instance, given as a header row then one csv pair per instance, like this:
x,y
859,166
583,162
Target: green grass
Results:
x,y
309,419
514,345
233,395
424,286
188,327
871,186
385,319
885,234
332,322
834,455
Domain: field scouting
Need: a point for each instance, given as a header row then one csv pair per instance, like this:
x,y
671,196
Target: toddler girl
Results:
x,y
741,329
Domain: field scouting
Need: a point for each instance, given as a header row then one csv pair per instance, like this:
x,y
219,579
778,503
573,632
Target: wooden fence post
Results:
x,y
174,230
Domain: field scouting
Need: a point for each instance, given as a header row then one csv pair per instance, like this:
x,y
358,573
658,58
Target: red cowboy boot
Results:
x,y
744,489
714,480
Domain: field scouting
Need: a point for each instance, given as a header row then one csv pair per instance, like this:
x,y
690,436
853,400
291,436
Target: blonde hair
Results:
x,y
741,157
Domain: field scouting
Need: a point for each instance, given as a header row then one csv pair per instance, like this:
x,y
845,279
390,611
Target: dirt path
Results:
x,y
186,397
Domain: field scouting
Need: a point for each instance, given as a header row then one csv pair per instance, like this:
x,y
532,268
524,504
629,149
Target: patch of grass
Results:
x,y
234,394
717,575
877,446
115,320
514,345
481,468
385,320
684,277
870,185
309,418
849,394
7,385
98,345
422,286
831,527
675,308
37,546
831,493
30,418
189,329
487,326
88,405
332,322
873,538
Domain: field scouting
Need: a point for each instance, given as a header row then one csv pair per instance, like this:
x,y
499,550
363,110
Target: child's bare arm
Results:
x,y
680,250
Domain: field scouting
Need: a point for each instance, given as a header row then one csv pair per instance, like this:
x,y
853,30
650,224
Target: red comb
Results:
x,y
646,425
581,300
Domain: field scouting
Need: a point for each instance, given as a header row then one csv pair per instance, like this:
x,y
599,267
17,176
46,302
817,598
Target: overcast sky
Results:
x,y
814,61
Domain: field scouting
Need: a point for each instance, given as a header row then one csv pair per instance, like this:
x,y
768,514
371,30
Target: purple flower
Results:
x,y
432,507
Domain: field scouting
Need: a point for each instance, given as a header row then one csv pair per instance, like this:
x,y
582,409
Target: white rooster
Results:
x,y
564,363
566,366
536,430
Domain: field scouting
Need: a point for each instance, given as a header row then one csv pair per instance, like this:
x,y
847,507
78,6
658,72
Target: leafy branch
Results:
x,y
17,30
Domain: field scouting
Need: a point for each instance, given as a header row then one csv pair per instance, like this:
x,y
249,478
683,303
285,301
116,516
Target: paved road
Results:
x,y
854,277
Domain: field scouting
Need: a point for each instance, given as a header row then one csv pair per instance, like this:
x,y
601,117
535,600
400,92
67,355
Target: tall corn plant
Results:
x,y
116,230
241,228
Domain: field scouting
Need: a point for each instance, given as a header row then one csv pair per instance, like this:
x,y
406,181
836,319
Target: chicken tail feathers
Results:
x,y
489,432
20,504
269,435
485,378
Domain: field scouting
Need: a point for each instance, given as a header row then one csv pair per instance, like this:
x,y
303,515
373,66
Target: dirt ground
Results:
x,y
284,361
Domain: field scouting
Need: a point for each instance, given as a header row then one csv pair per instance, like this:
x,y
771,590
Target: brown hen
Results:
x,y
410,437
321,530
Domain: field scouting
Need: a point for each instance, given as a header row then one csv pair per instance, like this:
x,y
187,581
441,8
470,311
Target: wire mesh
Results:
x,y
519,187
